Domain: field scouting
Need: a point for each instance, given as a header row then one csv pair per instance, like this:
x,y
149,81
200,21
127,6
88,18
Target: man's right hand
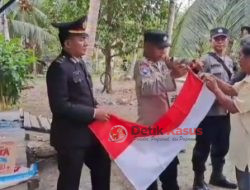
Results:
x,y
197,66
179,70
101,115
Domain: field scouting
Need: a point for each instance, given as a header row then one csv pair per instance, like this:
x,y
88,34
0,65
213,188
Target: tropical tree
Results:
x,y
171,19
121,27
93,15
65,10
61,11
29,22
4,23
192,32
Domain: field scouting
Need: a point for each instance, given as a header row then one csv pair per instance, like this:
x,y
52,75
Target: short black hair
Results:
x,y
63,37
246,50
245,45
247,28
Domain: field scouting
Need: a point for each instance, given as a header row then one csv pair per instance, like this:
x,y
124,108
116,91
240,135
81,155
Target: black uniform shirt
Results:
x,y
71,101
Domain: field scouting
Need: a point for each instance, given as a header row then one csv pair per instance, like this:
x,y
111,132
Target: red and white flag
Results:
x,y
143,152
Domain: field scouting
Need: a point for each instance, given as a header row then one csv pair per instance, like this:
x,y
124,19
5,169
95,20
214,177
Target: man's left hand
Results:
x,y
211,82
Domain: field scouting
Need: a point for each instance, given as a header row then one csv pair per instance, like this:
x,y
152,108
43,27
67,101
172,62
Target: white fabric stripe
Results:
x,y
145,159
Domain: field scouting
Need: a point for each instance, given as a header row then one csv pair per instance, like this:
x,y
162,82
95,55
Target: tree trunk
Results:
x,y
4,29
132,66
108,76
108,56
93,14
96,63
171,19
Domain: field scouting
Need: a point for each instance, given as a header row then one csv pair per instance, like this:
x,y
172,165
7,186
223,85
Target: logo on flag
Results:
x,y
118,134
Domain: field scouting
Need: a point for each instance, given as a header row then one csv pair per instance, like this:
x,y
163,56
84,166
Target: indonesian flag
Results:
x,y
143,152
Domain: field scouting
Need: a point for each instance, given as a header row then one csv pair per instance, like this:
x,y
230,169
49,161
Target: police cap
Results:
x,y
220,31
67,29
156,37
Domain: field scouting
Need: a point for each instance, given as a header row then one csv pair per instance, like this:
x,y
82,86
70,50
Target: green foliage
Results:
x,y
61,11
123,22
30,24
192,32
14,62
65,10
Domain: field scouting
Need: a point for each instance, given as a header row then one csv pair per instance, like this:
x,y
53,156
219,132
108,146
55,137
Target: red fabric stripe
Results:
x,y
183,104
169,121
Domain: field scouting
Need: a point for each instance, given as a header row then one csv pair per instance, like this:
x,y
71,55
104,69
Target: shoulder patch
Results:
x,y
145,70
60,59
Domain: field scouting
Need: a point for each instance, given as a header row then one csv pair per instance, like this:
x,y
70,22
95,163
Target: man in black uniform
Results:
x,y
74,108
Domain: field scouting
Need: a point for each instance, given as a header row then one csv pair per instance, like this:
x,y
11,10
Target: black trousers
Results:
x,y
70,163
168,177
215,137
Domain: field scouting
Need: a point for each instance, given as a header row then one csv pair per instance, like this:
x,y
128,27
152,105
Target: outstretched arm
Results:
x,y
226,88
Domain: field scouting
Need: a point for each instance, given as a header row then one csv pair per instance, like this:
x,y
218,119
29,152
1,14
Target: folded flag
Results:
x,y
143,152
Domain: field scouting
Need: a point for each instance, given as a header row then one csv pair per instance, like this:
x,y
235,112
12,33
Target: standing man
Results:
x,y
216,125
74,108
239,107
245,33
154,78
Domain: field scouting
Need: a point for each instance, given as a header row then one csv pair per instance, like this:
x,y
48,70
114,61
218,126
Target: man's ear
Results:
x,y
67,43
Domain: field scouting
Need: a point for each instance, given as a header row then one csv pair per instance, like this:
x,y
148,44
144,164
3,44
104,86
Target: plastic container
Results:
x,y
12,146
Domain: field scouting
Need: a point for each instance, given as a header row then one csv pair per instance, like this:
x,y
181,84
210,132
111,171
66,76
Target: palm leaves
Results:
x,y
30,32
192,32
29,23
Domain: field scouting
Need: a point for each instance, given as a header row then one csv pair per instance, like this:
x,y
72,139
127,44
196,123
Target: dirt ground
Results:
x,y
123,103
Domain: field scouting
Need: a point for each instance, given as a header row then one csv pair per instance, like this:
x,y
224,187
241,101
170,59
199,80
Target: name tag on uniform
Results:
x,y
77,77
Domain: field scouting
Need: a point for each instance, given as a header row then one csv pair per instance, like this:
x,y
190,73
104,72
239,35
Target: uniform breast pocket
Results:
x,y
77,86
77,77
216,70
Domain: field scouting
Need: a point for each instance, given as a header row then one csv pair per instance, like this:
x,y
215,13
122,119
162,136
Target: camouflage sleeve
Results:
x,y
152,83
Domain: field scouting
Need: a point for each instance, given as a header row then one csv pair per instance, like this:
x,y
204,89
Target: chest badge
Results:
x,y
145,71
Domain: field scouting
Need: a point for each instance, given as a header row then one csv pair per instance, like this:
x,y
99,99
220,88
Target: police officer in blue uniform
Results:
x,y
73,107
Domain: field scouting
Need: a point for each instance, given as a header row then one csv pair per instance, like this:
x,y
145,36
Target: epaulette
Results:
x,y
144,63
60,59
